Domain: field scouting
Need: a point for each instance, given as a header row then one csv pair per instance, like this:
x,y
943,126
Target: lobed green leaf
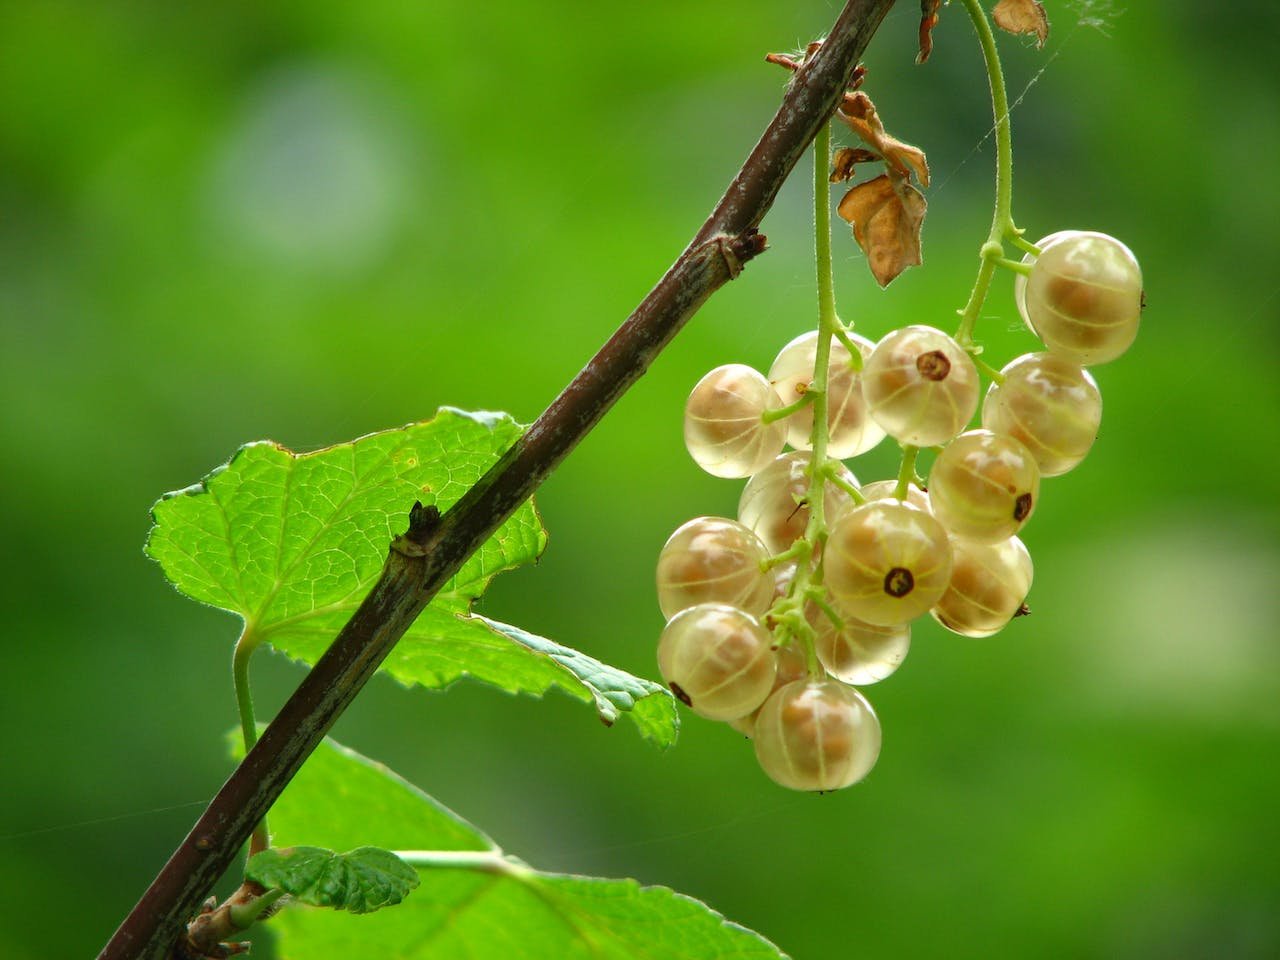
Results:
x,y
359,881
293,542
476,902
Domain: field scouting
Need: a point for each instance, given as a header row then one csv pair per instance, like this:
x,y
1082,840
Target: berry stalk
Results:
x,y
827,324
789,613
1002,225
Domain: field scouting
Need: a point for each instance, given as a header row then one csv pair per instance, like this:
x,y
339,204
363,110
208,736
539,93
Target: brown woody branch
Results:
x,y
433,548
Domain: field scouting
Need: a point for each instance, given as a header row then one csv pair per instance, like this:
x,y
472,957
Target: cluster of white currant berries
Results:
x,y
773,625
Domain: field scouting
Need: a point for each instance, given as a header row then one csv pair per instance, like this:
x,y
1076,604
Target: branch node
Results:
x,y
736,251
423,522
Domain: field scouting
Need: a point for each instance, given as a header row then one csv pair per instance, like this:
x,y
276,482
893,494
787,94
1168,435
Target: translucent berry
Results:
x,y
989,582
713,560
1050,404
817,735
888,490
792,665
783,575
920,386
850,431
984,486
717,660
886,562
856,652
1084,297
1020,281
773,502
723,429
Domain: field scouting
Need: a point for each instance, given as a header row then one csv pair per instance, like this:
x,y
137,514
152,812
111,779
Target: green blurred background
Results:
x,y
307,221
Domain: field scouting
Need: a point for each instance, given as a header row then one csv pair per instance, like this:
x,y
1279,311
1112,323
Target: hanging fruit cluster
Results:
x,y
777,617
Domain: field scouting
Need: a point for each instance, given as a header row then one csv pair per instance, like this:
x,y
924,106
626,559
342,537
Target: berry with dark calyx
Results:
x,y
1050,404
989,582
984,486
856,652
717,660
817,735
713,560
723,426
920,386
774,505
851,431
1084,297
886,562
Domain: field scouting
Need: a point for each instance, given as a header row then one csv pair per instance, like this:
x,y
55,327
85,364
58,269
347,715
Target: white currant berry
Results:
x,y
723,426
1084,297
850,430
984,486
888,490
817,735
989,582
856,652
774,504
792,665
1050,404
1020,280
713,560
886,562
920,386
717,660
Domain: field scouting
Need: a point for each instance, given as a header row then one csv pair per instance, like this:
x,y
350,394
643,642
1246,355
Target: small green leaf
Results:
x,y
292,543
475,902
650,706
359,881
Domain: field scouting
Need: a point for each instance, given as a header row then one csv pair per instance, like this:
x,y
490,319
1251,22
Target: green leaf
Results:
x,y
359,881
292,543
342,799
476,902
650,706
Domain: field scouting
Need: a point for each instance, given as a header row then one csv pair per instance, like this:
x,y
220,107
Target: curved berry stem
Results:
x,y
841,330
833,476
781,413
1002,225
991,373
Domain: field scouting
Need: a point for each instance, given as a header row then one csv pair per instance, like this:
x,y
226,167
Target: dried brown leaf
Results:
x,y
928,20
860,114
1022,16
887,214
845,159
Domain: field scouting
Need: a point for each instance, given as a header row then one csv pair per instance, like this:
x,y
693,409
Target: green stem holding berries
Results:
x,y
1002,225
827,321
788,613
907,471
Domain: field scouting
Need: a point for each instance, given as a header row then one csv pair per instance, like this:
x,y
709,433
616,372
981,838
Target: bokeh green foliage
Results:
x,y
308,221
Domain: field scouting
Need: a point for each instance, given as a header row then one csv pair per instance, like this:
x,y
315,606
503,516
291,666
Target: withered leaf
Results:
x,y
887,214
928,20
845,159
1022,16
860,114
